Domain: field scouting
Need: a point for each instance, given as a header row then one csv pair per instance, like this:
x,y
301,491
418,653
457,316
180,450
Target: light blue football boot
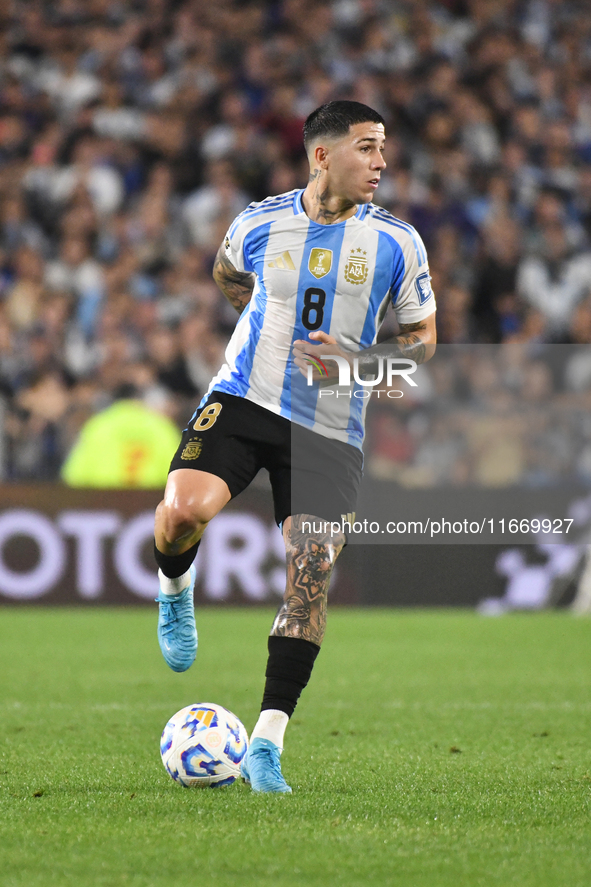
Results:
x,y
177,634
261,767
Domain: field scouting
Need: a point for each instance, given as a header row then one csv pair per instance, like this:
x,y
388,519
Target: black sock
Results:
x,y
289,667
174,566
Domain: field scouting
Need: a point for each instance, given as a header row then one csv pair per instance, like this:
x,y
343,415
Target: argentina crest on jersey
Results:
x,y
423,287
356,269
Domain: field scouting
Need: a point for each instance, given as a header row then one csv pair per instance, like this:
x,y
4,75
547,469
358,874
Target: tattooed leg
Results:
x,y
310,560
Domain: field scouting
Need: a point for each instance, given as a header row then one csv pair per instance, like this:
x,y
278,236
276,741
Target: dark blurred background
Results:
x,y
132,133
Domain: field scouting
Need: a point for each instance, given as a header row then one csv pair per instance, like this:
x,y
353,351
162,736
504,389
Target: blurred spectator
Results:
x,y
34,427
68,87
163,352
23,295
209,211
554,281
78,273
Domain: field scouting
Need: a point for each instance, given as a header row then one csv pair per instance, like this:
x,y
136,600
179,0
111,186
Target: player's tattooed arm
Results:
x,y
408,343
237,286
311,551
415,340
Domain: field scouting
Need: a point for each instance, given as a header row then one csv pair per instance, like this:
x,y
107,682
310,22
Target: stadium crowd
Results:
x,y
489,415
132,133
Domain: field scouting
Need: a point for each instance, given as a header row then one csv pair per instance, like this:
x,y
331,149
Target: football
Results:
x,y
203,745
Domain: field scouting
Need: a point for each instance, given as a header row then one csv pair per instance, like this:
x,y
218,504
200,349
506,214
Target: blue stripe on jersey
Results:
x,y
260,209
397,267
254,248
418,243
255,245
389,268
382,213
265,206
384,216
267,202
227,385
389,256
298,400
362,211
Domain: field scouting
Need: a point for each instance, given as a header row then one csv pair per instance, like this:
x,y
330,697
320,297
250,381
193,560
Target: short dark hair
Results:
x,y
335,118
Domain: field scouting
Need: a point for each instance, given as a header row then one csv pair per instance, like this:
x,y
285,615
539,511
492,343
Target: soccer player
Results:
x,y
311,273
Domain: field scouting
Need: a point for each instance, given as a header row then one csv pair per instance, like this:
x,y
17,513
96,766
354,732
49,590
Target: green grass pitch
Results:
x,y
430,749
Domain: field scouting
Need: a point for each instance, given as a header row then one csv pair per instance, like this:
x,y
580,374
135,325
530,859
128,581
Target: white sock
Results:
x,y
173,586
271,725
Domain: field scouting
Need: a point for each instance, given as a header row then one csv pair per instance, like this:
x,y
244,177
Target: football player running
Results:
x,y
311,274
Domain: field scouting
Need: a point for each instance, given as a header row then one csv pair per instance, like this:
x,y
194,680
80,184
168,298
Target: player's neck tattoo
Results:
x,y
316,201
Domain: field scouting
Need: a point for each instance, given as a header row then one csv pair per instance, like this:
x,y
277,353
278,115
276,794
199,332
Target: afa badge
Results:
x,y
193,449
356,269
423,287
320,262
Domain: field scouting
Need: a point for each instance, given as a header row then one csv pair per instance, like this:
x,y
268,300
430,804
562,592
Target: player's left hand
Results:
x,y
307,354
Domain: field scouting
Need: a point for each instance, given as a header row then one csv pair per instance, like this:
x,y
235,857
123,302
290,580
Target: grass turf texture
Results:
x,y
431,748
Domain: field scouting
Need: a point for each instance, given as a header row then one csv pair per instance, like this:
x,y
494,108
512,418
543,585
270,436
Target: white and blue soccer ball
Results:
x,y
203,744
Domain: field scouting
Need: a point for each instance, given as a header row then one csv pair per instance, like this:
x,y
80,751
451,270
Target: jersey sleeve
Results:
x,y
412,296
234,242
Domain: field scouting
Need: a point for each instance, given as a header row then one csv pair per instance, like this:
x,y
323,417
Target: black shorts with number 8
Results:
x,y
234,438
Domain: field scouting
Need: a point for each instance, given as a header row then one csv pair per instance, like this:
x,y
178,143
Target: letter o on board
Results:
x,y
127,556
52,554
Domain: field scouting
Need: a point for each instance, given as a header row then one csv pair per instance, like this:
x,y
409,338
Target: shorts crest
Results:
x,y
192,449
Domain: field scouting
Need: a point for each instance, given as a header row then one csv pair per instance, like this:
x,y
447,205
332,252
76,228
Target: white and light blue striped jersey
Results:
x,y
338,278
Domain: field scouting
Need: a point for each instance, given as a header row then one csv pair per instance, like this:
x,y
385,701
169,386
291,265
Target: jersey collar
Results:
x,y
298,206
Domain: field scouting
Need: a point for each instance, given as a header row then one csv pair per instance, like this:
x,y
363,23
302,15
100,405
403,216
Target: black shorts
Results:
x,y
233,438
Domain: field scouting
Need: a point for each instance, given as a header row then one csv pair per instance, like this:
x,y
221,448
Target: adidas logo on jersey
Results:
x,y
283,263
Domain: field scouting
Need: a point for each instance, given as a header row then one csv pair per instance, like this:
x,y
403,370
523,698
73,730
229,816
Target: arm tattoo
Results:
x,y
310,560
236,285
405,344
